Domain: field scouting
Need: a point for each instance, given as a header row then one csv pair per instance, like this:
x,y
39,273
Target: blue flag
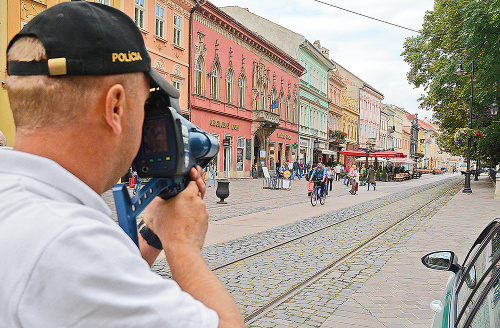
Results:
x,y
274,105
257,96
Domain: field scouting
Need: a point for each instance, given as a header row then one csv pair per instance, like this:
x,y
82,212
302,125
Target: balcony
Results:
x,y
265,116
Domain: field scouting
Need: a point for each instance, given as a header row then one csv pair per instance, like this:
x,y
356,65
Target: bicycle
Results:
x,y
316,194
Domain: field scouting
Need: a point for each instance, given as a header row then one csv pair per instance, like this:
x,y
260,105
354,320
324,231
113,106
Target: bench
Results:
x,y
402,177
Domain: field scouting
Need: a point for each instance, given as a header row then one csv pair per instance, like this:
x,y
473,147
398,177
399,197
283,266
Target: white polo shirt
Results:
x,y
65,263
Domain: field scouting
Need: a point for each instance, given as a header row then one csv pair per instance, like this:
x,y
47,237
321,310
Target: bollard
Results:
x,y
222,190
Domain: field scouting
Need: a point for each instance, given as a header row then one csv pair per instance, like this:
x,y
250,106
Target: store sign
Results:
x,y
284,136
304,143
226,142
226,125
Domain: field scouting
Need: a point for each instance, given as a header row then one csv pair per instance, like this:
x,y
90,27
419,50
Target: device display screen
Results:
x,y
154,136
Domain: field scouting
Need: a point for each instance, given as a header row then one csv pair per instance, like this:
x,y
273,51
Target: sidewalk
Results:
x,y
399,294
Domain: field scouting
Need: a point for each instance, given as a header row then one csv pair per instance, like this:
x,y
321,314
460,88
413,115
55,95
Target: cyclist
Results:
x,y
319,174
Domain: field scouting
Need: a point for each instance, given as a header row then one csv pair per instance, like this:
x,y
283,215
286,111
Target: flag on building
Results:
x,y
257,96
274,105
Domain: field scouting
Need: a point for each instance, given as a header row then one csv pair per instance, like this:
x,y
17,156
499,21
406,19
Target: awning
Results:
x,y
402,161
370,159
328,152
357,153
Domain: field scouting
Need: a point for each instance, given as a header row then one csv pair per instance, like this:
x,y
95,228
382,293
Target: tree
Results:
x,y
456,32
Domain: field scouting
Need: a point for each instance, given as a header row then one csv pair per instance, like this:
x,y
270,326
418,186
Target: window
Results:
x,y
103,2
177,30
242,91
177,85
198,76
214,81
159,21
139,13
240,150
229,85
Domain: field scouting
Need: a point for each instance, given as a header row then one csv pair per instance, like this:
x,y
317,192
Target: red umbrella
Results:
x,y
357,153
387,153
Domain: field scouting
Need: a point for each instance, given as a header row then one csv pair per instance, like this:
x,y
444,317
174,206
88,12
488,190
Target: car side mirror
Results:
x,y
442,260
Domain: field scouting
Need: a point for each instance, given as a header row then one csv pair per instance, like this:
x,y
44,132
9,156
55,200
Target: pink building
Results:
x,y
244,91
369,115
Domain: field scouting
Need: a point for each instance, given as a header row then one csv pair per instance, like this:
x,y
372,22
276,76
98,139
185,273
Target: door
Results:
x,y
227,162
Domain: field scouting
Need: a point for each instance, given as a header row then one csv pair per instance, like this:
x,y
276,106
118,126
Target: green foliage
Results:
x,y
456,32
384,173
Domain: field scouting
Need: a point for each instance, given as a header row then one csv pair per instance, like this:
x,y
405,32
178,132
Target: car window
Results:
x,y
476,274
487,314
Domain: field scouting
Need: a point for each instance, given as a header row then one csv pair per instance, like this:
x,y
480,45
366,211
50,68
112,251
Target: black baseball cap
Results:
x,y
86,39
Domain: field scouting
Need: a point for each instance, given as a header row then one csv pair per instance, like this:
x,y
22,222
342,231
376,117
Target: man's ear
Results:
x,y
115,102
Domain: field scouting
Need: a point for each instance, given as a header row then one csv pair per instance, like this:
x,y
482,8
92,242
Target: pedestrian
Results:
x,y
3,140
338,169
204,173
212,173
354,175
278,166
296,167
79,77
329,179
371,177
301,170
346,175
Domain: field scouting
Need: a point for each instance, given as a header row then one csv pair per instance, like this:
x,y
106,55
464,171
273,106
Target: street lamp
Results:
x,y
461,72
494,109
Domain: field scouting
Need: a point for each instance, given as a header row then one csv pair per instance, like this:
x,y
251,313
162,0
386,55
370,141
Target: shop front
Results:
x,y
234,136
281,148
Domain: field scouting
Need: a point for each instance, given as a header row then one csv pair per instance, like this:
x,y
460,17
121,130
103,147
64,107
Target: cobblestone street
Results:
x,y
256,219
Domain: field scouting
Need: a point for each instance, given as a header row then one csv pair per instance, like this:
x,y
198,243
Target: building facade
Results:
x,y
313,90
245,92
164,26
370,102
335,134
350,111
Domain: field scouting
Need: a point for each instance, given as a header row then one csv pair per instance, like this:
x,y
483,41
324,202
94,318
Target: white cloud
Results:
x,y
368,48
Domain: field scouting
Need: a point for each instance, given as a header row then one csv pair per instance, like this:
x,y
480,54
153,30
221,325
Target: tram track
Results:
x,y
250,318
283,243
254,311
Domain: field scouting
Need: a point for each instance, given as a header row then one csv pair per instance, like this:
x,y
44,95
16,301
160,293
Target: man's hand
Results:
x,y
183,219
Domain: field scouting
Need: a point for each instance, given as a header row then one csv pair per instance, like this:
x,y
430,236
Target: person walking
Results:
x,y
346,175
296,168
212,172
354,175
338,169
329,179
371,177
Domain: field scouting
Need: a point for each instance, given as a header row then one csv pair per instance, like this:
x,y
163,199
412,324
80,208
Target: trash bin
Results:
x,y
222,190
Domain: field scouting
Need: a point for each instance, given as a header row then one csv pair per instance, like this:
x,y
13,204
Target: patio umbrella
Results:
x,y
387,153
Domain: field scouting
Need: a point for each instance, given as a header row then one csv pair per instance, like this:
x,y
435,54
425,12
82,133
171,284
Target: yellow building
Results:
x,y
164,25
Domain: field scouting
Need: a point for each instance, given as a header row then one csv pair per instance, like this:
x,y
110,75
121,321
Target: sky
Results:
x,y
369,49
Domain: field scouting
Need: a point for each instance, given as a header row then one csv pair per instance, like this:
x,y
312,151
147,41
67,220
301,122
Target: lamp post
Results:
x,y
461,72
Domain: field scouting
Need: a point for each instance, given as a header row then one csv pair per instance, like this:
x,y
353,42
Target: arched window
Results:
x,y
214,82
229,85
242,90
289,109
198,76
